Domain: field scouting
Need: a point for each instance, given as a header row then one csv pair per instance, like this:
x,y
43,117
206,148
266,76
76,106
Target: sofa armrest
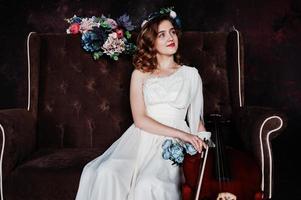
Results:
x,y
257,127
18,138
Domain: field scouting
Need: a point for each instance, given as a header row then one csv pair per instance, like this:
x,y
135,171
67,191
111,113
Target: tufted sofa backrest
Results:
x,y
80,102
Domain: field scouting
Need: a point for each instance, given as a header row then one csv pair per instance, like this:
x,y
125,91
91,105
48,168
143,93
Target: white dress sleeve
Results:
x,y
195,109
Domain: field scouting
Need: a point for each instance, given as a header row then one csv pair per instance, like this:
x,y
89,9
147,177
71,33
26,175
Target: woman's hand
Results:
x,y
197,142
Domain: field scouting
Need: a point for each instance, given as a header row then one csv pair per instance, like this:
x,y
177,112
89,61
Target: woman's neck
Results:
x,y
165,63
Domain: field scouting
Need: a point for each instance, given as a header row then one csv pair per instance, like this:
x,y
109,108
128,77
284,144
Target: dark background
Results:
x,y
272,38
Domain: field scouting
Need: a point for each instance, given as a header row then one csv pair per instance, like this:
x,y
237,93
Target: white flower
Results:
x,y
144,22
173,14
87,24
113,45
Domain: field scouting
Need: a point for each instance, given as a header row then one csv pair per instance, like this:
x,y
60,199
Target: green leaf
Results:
x,y
115,57
128,35
97,19
104,24
97,55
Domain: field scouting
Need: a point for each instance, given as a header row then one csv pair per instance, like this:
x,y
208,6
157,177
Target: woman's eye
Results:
x,y
161,35
173,32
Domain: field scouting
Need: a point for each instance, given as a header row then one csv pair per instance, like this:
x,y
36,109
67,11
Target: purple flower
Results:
x,y
125,22
112,23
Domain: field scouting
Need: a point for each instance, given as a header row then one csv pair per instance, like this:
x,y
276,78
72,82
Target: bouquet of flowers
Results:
x,y
103,35
175,150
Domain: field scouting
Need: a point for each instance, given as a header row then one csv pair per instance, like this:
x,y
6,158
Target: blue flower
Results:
x,y
176,150
75,19
166,154
178,22
179,159
173,150
190,149
93,40
166,144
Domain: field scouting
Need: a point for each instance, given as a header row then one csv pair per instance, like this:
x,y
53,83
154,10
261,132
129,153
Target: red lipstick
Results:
x,y
171,44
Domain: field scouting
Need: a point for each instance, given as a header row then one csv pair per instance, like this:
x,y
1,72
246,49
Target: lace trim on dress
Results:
x,y
164,77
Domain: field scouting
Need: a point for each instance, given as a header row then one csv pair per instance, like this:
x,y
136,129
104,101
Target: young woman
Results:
x,y
163,93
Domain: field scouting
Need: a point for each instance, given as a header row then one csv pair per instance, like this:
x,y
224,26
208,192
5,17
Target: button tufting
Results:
x,y
77,106
90,85
104,106
76,68
48,107
63,87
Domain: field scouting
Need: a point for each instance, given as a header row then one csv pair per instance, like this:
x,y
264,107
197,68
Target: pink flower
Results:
x,y
119,32
87,24
113,45
73,28
113,24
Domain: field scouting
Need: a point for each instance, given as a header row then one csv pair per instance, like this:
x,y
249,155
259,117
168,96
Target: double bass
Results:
x,y
221,172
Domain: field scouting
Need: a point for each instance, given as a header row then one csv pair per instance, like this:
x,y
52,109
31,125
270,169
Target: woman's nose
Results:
x,y
170,37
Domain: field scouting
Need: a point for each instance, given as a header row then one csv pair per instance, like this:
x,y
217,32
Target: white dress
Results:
x,y
133,167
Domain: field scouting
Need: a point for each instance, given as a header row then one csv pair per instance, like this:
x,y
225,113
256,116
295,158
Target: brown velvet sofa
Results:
x,y
78,107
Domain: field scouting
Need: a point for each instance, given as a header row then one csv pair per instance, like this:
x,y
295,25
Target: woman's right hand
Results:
x,y
197,142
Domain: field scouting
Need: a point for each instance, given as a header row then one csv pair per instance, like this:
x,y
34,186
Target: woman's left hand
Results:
x,y
197,142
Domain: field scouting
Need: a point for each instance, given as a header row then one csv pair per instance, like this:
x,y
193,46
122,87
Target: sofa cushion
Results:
x,y
49,174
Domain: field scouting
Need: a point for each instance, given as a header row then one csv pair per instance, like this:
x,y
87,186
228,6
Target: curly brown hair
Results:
x,y
145,57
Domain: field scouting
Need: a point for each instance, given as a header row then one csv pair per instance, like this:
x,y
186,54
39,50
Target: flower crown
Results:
x,y
103,35
163,12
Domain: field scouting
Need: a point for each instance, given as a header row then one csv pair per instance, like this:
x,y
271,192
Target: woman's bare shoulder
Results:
x,y
140,75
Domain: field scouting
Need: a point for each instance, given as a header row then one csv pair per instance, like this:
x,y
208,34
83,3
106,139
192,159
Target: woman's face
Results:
x,y
166,42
